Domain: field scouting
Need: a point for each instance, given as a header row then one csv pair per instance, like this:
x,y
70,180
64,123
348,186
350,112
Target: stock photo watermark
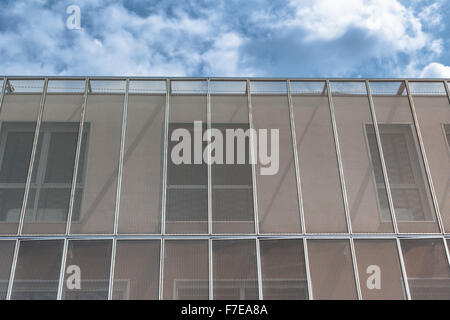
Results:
x,y
234,139
73,21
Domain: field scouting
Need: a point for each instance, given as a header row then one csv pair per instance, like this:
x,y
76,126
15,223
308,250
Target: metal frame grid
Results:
x,y
303,235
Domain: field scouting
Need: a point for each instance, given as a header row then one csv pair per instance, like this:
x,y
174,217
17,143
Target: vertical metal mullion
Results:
x,y
402,266
424,157
338,157
308,272
161,269
253,156
447,90
13,270
296,163
62,270
258,269
381,155
33,154
77,156
208,126
112,268
210,268
165,158
121,155
447,252
2,94
119,189
355,268
343,188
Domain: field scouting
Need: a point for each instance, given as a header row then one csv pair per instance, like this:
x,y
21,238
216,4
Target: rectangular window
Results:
x,y
136,271
406,177
234,270
427,268
15,155
6,253
405,168
232,191
379,270
186,270
187,182
283,270
91,260
37,270
331,267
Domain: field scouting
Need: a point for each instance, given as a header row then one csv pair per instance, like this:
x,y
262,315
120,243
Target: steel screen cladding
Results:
x,y
357,208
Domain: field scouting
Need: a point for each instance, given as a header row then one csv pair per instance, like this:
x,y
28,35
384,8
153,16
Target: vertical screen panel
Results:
x,y
98,185
186,270
140,200
406,172
379,269
331,269
283,270
18,123
187,183
49,195
369,210
234,270
6,254
277,190
37,270
93,257
136,271
427,269
433,114
321,190
232,191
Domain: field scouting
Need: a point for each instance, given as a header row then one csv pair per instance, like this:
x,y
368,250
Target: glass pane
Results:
x,y
234,270
186,270
427,269
379,269
136,271
98,185
352,111
433,114
331,268
187,174
283,270
6,254
232,191
53,167
321,189
38,269
93,258
276,181
140,200
18,122
406,172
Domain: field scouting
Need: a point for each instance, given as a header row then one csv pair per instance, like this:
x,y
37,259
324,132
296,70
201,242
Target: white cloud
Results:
x,y
435,70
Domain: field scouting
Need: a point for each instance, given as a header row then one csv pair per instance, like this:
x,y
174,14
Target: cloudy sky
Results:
x,y
276,38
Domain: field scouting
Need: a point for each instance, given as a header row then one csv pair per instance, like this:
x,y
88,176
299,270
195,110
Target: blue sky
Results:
x,y
291,38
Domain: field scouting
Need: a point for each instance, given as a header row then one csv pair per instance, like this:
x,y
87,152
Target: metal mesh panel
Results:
x,y
93,258
283,270
234,270
37,270
186,269
136,271
427,268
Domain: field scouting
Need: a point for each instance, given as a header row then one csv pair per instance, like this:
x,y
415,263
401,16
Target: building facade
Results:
x,y
94,206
